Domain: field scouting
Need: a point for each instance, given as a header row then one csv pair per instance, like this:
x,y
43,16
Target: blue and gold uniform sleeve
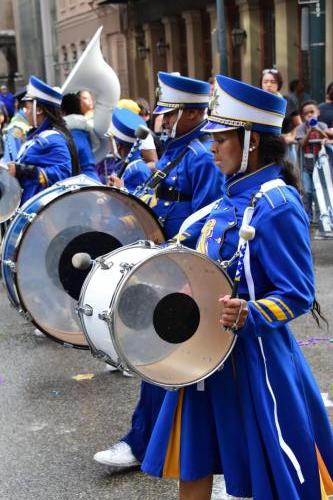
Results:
x,y
56,163
282,253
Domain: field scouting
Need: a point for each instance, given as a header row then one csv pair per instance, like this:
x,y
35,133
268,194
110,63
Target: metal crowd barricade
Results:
x,y
318,189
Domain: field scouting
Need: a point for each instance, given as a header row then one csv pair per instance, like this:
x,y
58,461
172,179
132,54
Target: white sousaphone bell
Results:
x,y
92,72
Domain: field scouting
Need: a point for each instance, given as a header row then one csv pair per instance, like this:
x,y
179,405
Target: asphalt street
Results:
x,y
52,424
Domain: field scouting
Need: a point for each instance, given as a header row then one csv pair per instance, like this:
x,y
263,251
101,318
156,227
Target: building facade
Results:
x,y
141,37
8,61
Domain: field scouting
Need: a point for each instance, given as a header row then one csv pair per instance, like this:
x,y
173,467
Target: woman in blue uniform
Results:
x,y
260,420
82,133
49,153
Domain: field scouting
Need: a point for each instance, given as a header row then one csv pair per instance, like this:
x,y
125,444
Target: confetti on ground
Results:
x,y
2,380
315,340
84,376
56,393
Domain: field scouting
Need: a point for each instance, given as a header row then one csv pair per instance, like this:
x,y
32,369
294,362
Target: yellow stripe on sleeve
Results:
x,y
274,308
260,309
171,468
289,311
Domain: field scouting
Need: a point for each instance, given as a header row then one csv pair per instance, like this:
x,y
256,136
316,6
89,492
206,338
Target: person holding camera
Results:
x,y
310,136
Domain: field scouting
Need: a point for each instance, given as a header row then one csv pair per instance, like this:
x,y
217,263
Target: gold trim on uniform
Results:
x,y
274,309
260,309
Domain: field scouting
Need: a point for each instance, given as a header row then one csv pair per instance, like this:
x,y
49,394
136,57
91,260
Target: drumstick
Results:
x,y
140,133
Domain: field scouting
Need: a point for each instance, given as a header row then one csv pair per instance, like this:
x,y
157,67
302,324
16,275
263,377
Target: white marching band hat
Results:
x,y
178,92
236,104
43,93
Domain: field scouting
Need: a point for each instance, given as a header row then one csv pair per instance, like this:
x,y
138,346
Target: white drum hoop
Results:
x,y
153,293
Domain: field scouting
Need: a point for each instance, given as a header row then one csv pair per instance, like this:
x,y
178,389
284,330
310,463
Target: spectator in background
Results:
x,y
8,98
326,108
296,96
310,134
271,81
3,120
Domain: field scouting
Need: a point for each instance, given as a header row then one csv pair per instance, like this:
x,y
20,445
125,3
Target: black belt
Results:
x,y
167,194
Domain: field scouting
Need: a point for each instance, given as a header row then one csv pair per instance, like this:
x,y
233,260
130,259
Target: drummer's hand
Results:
x,y
235,312
114,181
11,168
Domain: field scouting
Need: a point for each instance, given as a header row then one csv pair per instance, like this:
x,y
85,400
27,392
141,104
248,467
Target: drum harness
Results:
x,y
154,181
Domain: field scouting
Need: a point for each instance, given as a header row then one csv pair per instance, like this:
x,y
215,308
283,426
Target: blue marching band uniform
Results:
x,y
260,420
46,148
193,183
123,126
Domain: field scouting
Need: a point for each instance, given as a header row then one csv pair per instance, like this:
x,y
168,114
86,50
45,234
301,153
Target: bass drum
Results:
x,y
156,312
10,194
50,229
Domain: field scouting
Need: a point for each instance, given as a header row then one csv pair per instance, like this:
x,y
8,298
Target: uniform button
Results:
x,y
231,223
166,203
174,178
170,188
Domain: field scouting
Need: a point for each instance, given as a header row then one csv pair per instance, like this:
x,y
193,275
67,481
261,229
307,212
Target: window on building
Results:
x,y
267,38
183,47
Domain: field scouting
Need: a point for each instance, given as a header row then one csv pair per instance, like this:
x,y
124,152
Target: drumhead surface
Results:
x,y
93,220
166,318
10,194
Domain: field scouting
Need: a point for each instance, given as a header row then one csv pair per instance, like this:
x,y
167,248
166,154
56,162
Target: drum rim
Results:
x,y
123,359
20,190
66,190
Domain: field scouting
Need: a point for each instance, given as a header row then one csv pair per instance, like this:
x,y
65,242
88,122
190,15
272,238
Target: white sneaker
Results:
x,y
38,333
119,455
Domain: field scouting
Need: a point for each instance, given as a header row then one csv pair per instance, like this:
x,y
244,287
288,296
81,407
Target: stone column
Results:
x,y
211,9
194,41
137,76
328,42
286,40
172,38
153,62
250,57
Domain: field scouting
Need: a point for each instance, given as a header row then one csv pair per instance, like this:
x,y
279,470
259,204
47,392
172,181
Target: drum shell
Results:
x,y
95,299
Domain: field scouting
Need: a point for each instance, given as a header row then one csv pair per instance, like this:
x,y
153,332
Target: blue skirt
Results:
x,y
260,421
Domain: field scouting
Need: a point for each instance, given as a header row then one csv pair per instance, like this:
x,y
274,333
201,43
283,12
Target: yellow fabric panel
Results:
x,y
262,311
274,308
42,178
289,311
171,467
326,481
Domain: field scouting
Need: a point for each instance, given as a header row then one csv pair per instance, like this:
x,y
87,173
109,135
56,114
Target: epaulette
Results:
x,y
275,197
198,147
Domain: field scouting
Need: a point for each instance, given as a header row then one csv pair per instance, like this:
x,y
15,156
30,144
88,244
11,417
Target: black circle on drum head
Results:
x,y
95,243
176,318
